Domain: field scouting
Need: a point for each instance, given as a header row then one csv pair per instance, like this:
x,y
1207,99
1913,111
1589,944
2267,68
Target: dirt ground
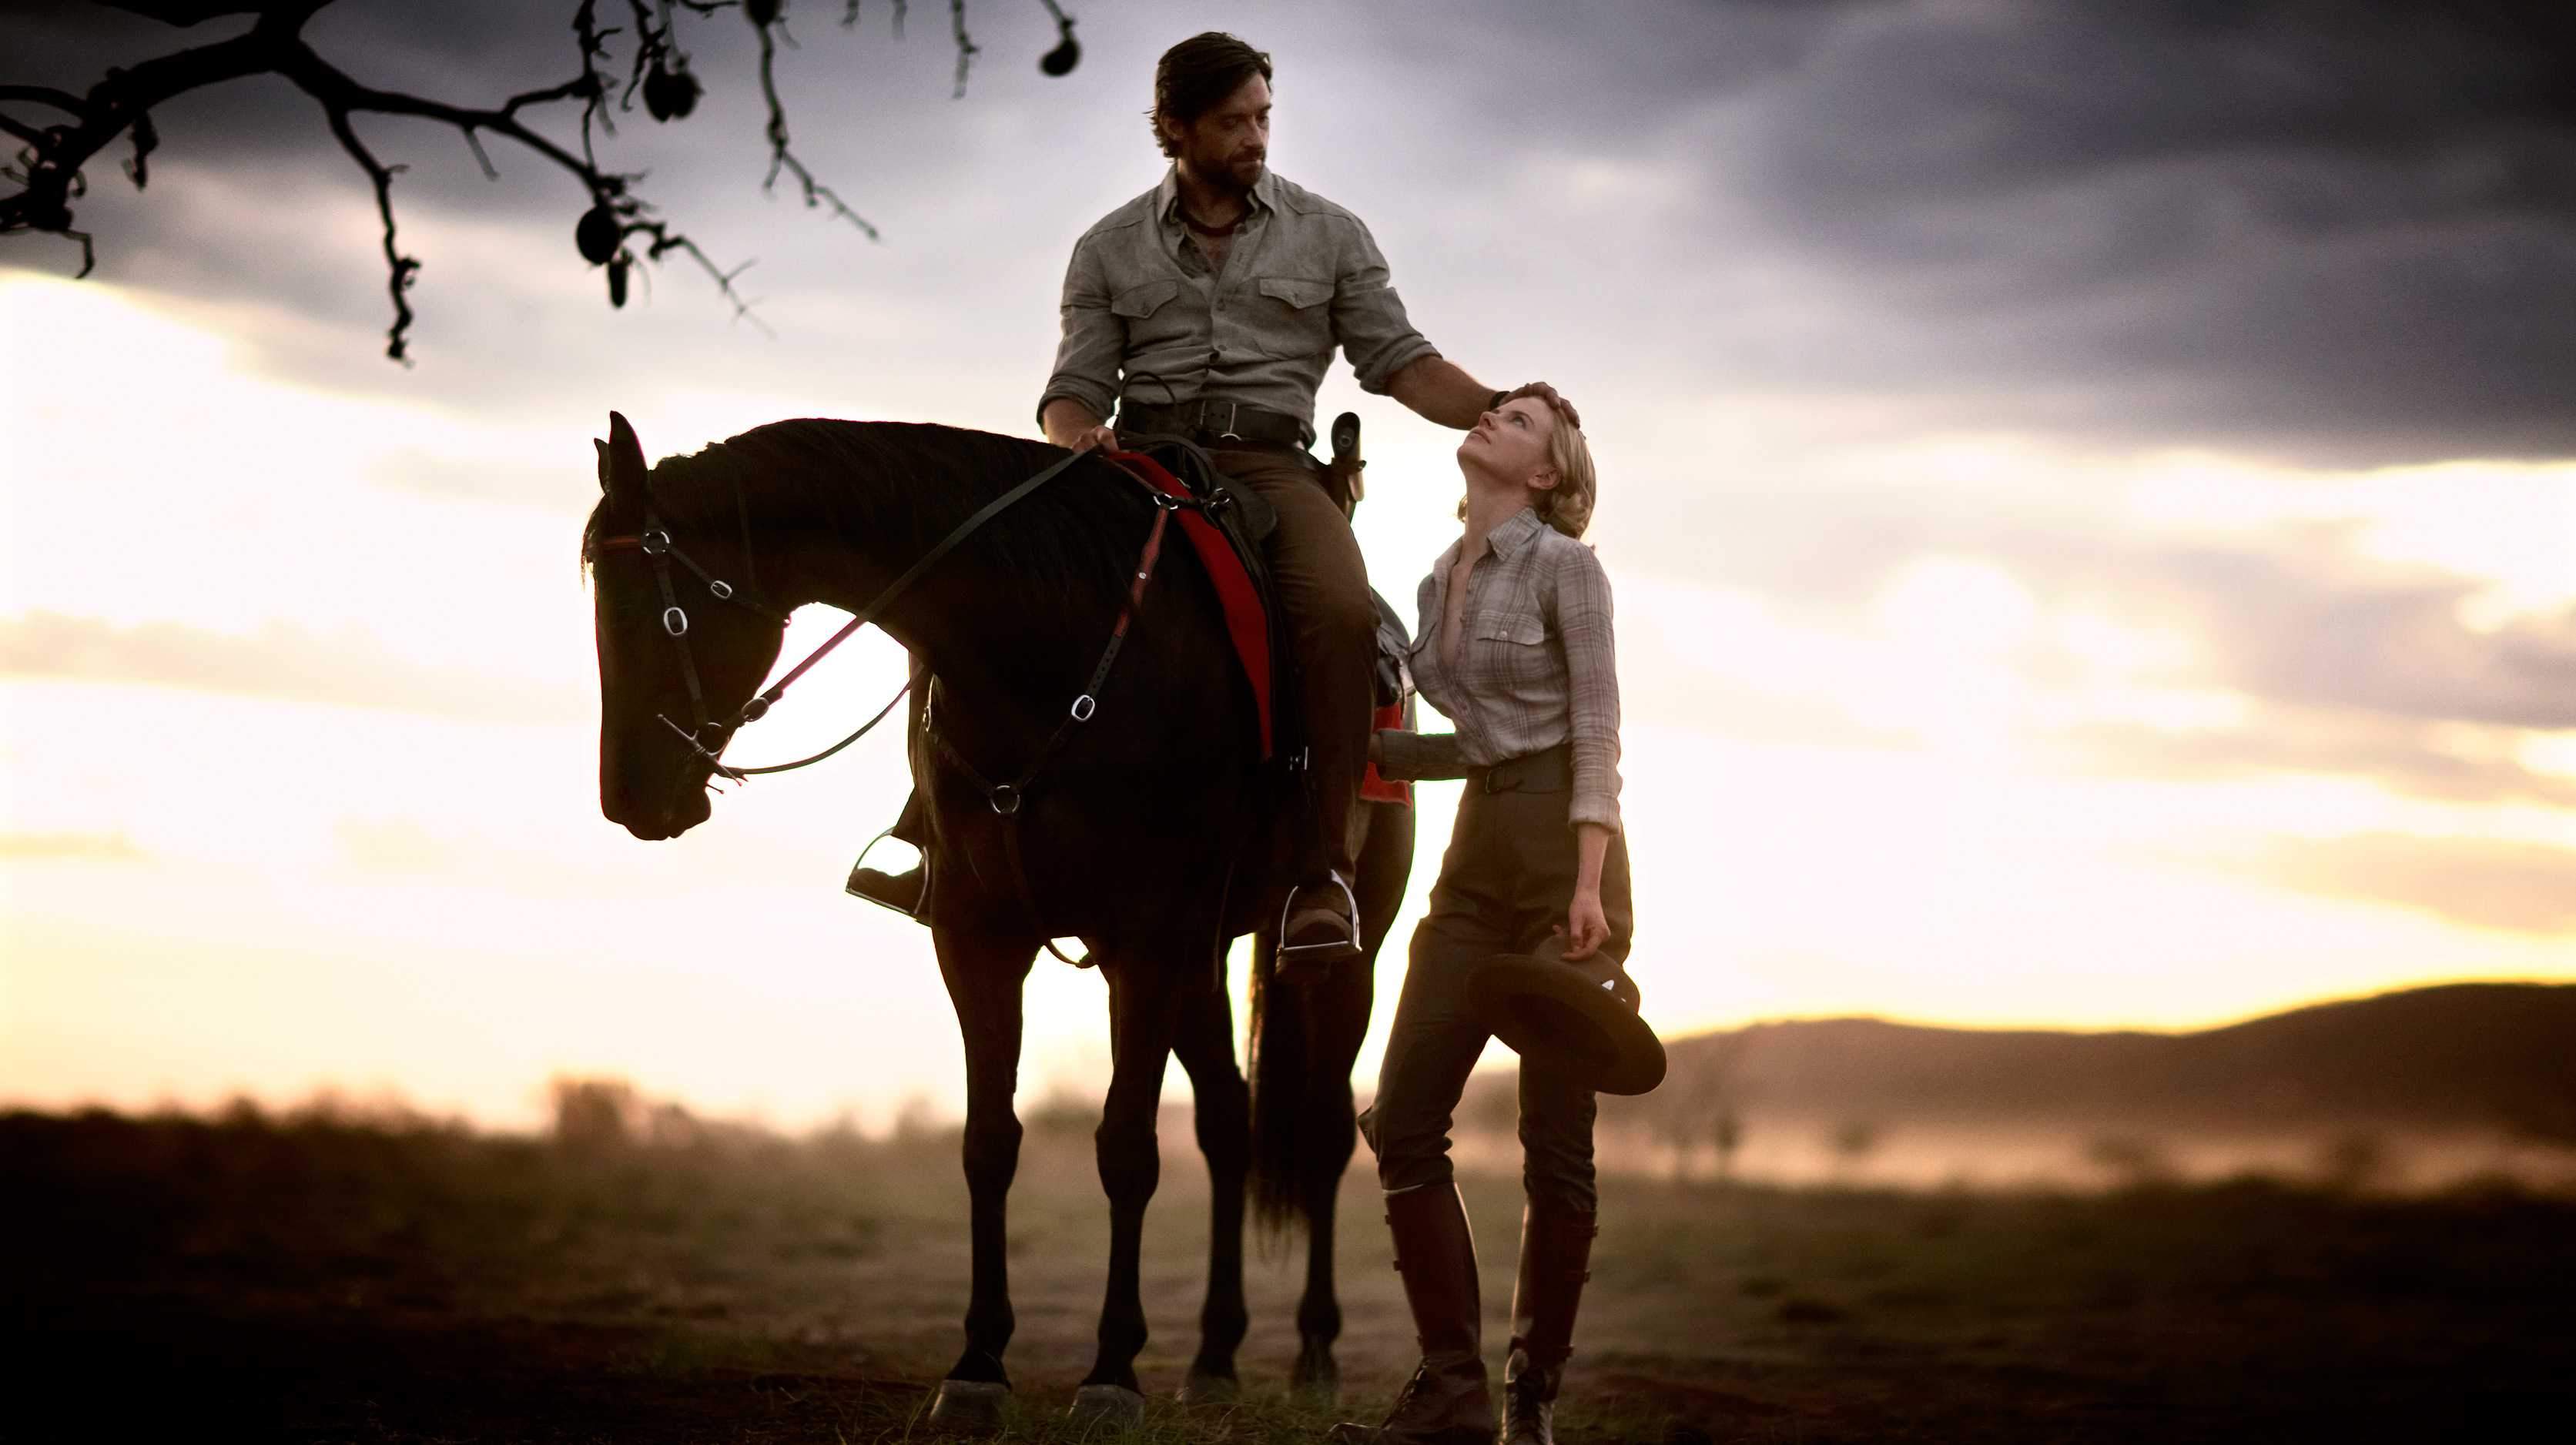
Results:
x,y
320,1281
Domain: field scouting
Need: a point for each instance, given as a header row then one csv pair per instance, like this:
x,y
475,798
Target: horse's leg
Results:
x,y
1337,1019
1204,1043
985,976
1144,999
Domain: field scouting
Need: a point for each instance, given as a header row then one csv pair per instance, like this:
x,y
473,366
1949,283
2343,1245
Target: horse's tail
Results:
x,y
1281,1034
1306,1036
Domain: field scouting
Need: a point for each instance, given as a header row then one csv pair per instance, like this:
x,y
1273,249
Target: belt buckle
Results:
x,y
1233,411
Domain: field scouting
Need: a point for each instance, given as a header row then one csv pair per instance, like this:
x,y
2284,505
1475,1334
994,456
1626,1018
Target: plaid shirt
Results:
x,y
1535,667
1145,317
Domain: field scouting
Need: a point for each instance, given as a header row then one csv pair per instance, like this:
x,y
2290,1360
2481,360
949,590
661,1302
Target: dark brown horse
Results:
x,y
1146,829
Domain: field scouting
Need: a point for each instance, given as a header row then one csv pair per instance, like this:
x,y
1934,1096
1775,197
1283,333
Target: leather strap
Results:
x,y
1215,422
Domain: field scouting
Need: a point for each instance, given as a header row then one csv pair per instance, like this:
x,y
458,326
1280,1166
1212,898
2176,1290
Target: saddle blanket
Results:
x,y
1246,620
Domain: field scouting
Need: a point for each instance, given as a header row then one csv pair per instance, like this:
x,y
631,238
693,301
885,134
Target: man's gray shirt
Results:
x,y
1143,314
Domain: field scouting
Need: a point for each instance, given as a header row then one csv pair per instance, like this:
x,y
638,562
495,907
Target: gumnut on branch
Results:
x,y
58,132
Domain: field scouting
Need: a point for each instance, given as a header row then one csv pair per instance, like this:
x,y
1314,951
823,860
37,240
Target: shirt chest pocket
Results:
x,y
1151,312
1515,629
1293,317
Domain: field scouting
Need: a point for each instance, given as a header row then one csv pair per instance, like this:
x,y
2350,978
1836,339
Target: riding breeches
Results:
x,y
1318,577
1505,883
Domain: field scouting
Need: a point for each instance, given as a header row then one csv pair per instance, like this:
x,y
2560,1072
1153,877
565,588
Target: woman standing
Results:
x,y
1515,647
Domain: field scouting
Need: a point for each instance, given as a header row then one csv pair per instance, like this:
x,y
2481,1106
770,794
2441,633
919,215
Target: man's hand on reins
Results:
x,y
1071,425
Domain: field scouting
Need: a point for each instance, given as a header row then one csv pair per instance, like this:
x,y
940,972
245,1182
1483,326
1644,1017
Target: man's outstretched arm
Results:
x,y
1438,389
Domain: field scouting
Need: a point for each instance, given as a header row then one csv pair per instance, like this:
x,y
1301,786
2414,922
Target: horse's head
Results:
x,y
680,650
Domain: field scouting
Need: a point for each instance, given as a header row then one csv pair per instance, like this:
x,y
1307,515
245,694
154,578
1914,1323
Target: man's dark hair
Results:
x,y
1195,76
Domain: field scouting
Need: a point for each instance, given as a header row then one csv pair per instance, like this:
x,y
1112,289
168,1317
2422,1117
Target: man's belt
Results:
x,y
1549,770
1214,423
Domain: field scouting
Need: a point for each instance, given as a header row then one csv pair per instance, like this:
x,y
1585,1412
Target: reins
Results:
x,y
655,542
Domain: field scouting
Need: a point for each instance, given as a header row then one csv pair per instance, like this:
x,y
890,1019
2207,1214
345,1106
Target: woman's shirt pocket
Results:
x,y
1506,655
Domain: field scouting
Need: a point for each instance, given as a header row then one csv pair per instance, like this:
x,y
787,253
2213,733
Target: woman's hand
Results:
x,y
1586,928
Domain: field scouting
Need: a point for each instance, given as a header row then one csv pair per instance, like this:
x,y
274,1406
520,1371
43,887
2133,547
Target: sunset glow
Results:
x,y
1962,716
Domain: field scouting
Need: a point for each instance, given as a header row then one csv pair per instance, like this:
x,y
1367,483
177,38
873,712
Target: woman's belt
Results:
x,y
1214,423
1549,770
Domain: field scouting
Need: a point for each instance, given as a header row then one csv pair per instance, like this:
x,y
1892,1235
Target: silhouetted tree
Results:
x,y
619,227
1727,1135
1853,1141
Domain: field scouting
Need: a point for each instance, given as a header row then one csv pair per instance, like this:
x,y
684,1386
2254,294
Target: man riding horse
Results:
x,y
1208,308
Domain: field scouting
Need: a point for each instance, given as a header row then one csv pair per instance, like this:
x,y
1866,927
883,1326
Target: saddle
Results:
x,y
1246,522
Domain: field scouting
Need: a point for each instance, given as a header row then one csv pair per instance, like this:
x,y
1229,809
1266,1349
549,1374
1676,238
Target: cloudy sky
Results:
x,y
2091,489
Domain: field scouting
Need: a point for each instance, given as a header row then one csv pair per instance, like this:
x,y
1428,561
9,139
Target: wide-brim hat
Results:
x,y
1581,1016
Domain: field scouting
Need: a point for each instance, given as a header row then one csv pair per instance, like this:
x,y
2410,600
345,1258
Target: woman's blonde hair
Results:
x,y
1568,506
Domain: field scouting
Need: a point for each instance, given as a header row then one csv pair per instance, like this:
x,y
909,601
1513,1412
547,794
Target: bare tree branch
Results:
x,y
780,158
965,48
50,161
62,100
402,267
51,178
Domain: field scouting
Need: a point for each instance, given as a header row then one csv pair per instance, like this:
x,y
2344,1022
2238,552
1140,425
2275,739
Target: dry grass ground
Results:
x,y
328,1282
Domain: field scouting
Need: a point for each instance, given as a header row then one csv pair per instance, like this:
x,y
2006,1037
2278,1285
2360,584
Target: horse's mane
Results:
x,y
857,477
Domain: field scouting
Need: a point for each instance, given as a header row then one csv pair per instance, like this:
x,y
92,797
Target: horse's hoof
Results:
x,y
1206,1387
972,1405
1115,1406
1315,1380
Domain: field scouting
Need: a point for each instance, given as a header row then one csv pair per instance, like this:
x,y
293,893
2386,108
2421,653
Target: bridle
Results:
x,y
708,737
1004,798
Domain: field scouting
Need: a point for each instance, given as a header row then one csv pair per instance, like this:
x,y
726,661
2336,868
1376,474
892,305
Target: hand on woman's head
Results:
x,y
1546,393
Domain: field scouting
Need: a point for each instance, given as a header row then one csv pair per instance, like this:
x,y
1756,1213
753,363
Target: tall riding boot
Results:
x,y
1556,1258
1447,1401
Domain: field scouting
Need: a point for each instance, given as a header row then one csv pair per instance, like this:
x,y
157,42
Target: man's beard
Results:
x,y
1220,172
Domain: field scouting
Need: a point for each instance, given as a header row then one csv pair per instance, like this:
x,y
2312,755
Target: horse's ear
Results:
x,y
621,462
601,447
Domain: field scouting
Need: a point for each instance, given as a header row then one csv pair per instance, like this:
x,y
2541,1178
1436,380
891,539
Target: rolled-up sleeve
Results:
x,y
1368,317
1412,757
1087,358
1582,598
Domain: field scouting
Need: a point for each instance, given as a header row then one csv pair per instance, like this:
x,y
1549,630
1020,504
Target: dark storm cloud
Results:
x,y
2323,232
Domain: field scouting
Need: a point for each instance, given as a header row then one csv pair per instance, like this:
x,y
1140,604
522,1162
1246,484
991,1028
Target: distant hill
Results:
x,y
2483,1056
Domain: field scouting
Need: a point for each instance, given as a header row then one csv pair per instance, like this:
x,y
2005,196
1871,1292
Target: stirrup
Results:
x,y
1347,946
916,911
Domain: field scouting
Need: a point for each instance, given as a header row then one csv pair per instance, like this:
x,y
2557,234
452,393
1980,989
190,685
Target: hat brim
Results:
x,y
1544,1008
